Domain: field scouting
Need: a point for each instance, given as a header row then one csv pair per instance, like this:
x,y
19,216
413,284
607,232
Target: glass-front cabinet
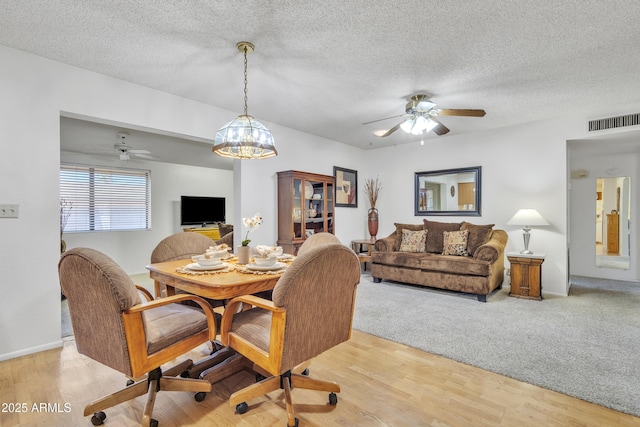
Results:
x,y
305,206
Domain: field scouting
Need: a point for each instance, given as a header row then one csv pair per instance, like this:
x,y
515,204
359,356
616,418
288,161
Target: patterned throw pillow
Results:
x,y
413,241
455,242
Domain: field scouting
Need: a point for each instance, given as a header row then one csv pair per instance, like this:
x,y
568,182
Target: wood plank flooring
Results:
x,y
383,384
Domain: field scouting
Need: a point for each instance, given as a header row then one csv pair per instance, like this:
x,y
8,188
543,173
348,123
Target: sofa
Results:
x,y
462,256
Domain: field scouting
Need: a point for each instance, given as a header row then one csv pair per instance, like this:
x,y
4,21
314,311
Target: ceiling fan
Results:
x,y
421,117
125,151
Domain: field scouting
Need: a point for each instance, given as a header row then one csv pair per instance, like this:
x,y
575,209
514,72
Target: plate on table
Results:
x,y
276,266
197,267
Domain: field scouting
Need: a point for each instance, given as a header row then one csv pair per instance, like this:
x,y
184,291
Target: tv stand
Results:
x,y
211,232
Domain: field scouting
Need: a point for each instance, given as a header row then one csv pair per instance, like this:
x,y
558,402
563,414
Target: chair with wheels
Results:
x,y
311,312
113,326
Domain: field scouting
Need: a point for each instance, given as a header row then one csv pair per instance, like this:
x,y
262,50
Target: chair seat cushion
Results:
x,y
253,325
169,324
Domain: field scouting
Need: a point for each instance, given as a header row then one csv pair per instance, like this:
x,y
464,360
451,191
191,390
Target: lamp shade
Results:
x,y
527,217
244,138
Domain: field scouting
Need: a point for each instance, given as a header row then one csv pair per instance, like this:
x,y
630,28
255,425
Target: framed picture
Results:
x,y
346,187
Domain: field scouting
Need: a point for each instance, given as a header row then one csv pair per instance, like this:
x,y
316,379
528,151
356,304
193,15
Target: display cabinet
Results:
x,y
306,206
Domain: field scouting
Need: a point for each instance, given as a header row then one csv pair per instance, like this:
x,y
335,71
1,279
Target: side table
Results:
x,y
363,249
526,275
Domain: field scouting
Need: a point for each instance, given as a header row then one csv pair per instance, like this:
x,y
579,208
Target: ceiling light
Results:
x,y
418,123
244,137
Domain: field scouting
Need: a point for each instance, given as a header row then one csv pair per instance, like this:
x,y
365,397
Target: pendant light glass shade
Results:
x,y
244,137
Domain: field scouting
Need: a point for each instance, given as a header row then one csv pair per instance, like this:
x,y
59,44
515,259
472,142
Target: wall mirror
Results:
x,y
613,214
448,192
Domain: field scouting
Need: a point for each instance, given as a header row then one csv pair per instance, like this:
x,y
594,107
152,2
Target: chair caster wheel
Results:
x,y
130,382
260,377
242,407
305,372
153,423
295,423
333,399
199,396
98,418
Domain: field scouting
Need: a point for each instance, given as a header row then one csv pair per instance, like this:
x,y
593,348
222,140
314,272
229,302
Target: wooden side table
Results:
x,y
526,275
363,249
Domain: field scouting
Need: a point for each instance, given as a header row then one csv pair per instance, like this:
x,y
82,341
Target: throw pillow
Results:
x,y
435,241
455,242
413,241
478,235
400,227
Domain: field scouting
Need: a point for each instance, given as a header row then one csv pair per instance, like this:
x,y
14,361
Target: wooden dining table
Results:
x,y
224,284
217,285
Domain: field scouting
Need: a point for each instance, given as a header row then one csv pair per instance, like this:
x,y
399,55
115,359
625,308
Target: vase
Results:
x,y
372,222
243,254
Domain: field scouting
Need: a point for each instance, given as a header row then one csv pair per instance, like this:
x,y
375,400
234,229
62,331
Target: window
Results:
x,y
100,198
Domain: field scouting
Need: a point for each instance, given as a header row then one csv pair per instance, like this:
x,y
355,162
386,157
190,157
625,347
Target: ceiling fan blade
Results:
x,y
146,156
392,130
139,151
466,113
386,118
440,129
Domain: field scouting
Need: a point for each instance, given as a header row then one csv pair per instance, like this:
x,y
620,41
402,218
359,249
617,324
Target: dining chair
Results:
x,y
311,312
112,326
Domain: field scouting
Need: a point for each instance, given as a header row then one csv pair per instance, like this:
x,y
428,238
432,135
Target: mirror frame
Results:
x,y
476,170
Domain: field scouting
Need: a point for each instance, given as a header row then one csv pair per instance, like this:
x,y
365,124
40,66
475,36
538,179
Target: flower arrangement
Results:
x,y
251,224
372,187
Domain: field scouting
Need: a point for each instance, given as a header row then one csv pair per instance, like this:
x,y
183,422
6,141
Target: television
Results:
x,y
202,210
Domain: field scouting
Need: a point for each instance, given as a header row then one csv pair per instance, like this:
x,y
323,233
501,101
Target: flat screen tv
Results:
x,y
195,210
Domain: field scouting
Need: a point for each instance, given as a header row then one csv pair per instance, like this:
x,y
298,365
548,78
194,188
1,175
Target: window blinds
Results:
x,y
99,198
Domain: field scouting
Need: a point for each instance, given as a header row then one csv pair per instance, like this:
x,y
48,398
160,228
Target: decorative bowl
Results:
x,y
267,261
208,262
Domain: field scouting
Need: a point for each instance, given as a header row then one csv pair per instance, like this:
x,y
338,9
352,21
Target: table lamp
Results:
x,y
527,218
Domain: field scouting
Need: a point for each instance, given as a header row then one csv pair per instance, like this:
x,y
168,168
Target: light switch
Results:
x,y
9,211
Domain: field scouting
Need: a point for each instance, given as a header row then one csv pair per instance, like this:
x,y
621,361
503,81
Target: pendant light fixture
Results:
x,y
244,137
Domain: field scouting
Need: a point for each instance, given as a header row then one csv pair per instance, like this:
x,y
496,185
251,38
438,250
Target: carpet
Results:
x,y
586,346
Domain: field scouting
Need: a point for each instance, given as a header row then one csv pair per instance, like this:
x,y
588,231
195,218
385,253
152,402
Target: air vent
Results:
x,y
614,122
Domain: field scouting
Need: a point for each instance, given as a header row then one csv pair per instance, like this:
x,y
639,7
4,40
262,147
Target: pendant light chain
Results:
x,y
245,80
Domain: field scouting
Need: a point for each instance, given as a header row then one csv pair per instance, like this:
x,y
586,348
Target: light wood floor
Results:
x,y
383,384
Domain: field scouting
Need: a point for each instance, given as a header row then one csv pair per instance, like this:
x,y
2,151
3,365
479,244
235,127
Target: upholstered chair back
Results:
x,y
181,246
98,291
315,240
318,292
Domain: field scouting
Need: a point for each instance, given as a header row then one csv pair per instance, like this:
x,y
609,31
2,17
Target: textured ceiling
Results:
x,y
327,67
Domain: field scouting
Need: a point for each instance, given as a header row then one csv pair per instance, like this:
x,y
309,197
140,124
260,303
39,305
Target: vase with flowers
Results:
x,y
372,188
251,224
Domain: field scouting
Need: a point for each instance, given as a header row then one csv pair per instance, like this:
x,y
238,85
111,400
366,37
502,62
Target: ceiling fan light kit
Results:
x,y
420,117
244,137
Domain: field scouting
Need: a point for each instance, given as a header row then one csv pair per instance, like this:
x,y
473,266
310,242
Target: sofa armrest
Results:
x,y
494,248
386,244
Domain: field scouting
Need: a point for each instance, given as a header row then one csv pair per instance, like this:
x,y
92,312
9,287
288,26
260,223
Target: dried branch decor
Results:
x,y
372,187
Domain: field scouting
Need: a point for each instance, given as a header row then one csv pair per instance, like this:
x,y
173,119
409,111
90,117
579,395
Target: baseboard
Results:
x,y
30,350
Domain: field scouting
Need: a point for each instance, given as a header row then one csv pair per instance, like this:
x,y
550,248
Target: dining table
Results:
x,y
218,283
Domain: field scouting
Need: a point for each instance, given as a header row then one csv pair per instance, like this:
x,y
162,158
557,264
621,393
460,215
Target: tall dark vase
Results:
x,y
372,222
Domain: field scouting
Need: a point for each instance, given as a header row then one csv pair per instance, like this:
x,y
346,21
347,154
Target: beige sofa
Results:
x,y
479,270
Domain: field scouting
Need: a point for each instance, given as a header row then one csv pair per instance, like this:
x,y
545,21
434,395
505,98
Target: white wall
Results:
x,y
583,208
132,249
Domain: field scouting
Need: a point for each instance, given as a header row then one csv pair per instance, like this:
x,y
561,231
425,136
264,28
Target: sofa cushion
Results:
x,y
435,237
401,260
413,241
400,227
455,242
455,265
478,235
